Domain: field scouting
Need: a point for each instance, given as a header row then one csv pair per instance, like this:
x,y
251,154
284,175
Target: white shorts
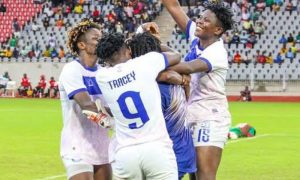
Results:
x,y
210,133
151,161
76,166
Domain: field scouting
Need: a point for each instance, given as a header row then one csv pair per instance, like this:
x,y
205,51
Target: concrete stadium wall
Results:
x,y
32,69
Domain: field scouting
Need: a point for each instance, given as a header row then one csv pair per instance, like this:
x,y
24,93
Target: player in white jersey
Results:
x,y
208,108
143,147
84,144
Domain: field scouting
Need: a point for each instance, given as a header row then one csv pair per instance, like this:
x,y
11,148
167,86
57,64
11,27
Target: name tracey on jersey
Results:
x,y
122,80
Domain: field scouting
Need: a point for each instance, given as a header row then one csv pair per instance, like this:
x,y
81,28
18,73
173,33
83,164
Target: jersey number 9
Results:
x,y
138,105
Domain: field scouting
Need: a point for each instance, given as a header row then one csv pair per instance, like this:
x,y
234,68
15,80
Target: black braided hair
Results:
x,y
143,43
224,14
109,44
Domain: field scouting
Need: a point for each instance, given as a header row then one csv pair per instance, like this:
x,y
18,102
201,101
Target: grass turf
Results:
x,y
30,136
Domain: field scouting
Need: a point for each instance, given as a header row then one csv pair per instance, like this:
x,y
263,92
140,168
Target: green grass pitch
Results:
x,y
30,136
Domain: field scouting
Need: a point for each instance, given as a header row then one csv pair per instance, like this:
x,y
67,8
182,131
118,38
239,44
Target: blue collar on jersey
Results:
x,y
193,52
93,69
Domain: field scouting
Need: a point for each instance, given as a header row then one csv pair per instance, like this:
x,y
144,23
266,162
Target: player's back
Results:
x,y
131,91
174,109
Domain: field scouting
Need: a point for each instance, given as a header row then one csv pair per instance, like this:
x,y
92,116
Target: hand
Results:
x,y
100,118
152,28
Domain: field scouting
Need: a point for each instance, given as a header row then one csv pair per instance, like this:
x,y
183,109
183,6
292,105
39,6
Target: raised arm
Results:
x,y
177,13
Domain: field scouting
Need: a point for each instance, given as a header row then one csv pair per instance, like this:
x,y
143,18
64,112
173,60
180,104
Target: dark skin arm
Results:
x,y
85,102
190,67
177,13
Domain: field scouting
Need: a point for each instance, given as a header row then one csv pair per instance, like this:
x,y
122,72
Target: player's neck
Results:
x,y
88,60
207,42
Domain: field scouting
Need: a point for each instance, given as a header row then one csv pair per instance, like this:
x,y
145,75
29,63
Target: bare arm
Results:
x,y
190,67
177,13
170,77
85,102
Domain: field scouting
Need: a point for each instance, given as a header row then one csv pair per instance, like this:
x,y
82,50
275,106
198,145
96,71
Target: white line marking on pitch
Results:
x,y
53,177
248,139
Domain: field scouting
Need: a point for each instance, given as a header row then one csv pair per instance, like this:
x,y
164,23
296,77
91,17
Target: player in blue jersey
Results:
x,y
143,148
208,112
84,144
173,105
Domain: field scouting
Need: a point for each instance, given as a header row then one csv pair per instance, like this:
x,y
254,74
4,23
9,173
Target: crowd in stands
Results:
x,y
249,29
122,16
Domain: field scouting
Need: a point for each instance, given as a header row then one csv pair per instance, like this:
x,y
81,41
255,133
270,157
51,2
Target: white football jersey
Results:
x,y
131,92
81,138
208,99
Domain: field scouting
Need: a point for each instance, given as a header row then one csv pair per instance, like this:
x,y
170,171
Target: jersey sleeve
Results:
x,y
72,81
214,60
190,31
157,62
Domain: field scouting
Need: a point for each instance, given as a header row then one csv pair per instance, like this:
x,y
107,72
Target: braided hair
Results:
x,y
224,14
110,44
76,33
143,43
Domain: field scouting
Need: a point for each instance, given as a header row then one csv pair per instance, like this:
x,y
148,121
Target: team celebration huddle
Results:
x,y
169,116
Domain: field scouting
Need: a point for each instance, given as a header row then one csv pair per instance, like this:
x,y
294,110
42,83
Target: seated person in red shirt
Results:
x,y
237,57
53,89
246,95
25,86
40,88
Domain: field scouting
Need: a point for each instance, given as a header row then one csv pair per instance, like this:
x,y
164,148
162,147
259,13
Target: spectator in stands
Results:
x,y
278,59
251,29
40,88
259,29
61,52
283,49
35,27
290,39
24,52
16,25
289,6
276,8
247,25
227,39
290,55
25,86
282,40
9,52
31,53
269,4
28,47
52,41
262,58
78,9
2,51
245,95
294,49
237,57
60,22
229,57
252,40
46,22
95,13
37,51
255,16
298,38
2,8
66,10
269,58
53,88
245,15
244,38
47,52
54,53
260,6
236,39
278,2
48,10
13,41
16,52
